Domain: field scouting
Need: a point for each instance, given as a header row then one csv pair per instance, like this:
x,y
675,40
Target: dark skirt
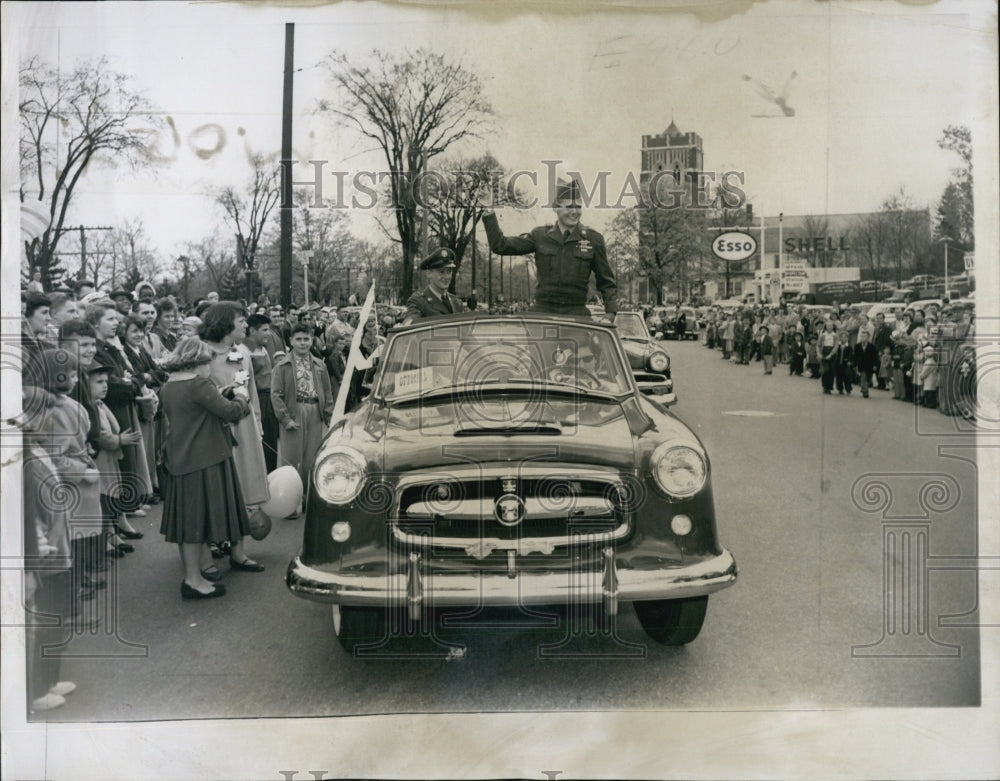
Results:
x,y
204,506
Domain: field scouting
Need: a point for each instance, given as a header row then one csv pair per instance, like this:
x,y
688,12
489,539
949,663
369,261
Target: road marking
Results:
x,y
754,413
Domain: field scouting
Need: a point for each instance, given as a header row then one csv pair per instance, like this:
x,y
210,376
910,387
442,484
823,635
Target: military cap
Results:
x,y
567,189
439,258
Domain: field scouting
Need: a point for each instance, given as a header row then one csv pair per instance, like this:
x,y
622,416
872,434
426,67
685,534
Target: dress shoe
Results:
x,y
48,702
95,583
140,513
125,547
114,553
62,688
213,575
188,592
247,565
129,535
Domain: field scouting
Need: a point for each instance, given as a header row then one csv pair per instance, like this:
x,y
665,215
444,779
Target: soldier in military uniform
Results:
x,y
566,254
435,300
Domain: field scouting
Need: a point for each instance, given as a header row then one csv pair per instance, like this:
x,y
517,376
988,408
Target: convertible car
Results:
x,y
508,461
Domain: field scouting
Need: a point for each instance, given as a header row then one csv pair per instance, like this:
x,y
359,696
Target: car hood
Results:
x,y
460,431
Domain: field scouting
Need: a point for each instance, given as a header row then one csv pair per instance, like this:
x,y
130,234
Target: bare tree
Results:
x,y
247,211
414,107
70,120
326,234
908,241
132,257
451,206
870,240
383,264
670,235
210,262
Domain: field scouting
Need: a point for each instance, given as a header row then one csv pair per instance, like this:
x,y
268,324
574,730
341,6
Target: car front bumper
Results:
x,y
604,582
657,385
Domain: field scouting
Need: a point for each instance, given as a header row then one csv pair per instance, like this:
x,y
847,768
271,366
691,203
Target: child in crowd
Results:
x,y
108,444
797,355
812,357
47,558
866,360
929,375
766,348
885,368
190,326
66,426
842,363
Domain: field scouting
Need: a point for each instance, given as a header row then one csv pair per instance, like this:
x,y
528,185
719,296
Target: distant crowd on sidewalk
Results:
x,y
922,357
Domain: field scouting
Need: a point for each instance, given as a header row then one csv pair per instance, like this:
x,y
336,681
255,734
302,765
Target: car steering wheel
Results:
x,y
569,376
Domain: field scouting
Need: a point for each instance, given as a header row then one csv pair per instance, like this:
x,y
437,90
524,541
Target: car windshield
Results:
x,y
481,352
631,326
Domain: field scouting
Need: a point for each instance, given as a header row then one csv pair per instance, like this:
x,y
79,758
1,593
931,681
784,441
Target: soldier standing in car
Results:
x,y
435,300
566,254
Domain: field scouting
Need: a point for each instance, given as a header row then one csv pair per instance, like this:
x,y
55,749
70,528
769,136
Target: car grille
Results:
x,y
547,507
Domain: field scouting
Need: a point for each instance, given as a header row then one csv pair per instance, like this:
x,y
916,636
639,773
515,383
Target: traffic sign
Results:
x,y
970,261
734,245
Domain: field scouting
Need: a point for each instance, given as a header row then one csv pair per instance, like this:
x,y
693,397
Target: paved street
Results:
x,y
811,588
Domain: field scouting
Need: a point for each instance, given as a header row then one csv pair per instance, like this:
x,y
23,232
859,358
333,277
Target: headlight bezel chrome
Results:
x,y
682,454
657,366
345,457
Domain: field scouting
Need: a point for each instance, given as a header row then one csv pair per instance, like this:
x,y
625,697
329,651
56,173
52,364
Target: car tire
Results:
x,y
358,626
672,621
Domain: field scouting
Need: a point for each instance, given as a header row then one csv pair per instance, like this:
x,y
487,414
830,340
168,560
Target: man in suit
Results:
x,y
435,300
566,254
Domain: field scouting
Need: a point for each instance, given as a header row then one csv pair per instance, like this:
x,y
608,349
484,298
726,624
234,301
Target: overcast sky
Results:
x,y
874,86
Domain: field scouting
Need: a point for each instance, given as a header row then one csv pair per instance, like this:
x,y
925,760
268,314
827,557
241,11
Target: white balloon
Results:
x,y
285,488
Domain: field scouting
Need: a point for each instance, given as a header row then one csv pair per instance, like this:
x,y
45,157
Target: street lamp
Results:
x,y
306,257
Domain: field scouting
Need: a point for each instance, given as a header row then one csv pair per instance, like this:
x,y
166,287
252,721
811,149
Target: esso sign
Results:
x,y
734,245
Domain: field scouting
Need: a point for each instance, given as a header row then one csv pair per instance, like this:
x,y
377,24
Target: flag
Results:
x,y
355,360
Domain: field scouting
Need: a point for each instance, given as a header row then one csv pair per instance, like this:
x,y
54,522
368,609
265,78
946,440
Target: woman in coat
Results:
x,y
125,387
224,326
303,400
202,499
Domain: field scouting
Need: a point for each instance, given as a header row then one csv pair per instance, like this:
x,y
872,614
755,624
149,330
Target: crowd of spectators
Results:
x,y
921,357
130,400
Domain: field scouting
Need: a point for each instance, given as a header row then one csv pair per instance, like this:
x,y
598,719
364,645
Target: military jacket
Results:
x,y
563,262
424,303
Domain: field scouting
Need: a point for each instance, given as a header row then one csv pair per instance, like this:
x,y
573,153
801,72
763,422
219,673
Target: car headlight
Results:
x,y
339,475
679,469
659,362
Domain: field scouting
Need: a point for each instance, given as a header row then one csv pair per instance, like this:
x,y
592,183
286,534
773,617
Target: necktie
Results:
x,y
565,235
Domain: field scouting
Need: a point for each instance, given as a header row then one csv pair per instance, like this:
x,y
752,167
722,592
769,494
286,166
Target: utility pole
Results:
x,y
489,286
474,254
285,267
